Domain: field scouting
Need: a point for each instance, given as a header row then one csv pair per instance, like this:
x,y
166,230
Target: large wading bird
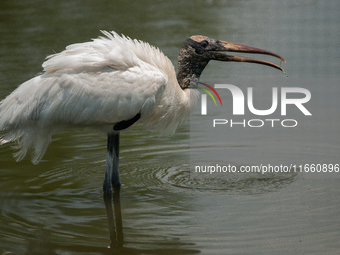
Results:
x,y
109,84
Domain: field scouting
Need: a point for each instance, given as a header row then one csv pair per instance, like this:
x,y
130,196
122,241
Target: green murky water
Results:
x,y
57,207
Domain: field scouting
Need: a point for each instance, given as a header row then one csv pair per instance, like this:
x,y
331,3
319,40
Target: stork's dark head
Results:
x,y
198,50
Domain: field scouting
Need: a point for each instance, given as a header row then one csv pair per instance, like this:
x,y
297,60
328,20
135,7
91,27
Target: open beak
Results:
x,y
233,47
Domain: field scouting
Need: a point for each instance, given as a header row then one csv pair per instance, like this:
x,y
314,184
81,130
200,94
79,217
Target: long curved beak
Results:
x,y
233,47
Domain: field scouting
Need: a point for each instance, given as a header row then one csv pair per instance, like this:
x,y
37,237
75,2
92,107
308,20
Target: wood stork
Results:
x,y
109,84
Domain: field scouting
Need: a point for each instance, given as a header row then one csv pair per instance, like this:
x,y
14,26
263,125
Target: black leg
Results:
x,y
111,179
112,164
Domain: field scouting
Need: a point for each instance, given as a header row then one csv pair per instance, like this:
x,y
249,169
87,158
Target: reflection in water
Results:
x,y
116,230
41,244
116,234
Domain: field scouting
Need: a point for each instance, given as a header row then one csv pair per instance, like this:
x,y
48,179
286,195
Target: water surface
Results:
x,y
57,207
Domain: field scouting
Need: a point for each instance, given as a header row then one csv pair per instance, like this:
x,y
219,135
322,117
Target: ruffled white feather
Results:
x,y
95,84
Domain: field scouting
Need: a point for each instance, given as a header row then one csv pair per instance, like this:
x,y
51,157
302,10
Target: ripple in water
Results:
x,y
174,172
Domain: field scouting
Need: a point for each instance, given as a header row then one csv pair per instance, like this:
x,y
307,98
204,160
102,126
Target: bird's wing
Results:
x,y
105,80
103,97
92,83
95,84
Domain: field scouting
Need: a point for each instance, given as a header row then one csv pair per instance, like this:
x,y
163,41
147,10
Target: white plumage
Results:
x,y
95,84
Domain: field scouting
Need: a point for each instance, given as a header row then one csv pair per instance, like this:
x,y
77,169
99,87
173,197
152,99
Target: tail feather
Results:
x,y
26,138
18,115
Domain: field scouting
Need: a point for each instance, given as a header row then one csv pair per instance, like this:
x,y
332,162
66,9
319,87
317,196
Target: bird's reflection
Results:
x,y
114,218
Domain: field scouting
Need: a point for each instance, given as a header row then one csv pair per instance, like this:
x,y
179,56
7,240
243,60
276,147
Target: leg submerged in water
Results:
x,y
112,184
111,178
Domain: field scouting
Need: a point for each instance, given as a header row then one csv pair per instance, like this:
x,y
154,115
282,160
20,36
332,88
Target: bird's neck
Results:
x,y
189,68
187,80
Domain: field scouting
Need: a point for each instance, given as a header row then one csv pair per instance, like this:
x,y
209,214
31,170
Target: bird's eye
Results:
x,y
204,43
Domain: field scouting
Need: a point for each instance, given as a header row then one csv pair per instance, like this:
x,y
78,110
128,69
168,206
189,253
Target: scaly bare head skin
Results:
x,y
198,50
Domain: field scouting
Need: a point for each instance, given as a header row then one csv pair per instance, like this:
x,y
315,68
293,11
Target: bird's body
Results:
x,y
95,84
109,84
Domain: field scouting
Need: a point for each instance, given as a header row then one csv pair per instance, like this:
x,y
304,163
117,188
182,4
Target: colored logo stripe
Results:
x,y
213,90
208,92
